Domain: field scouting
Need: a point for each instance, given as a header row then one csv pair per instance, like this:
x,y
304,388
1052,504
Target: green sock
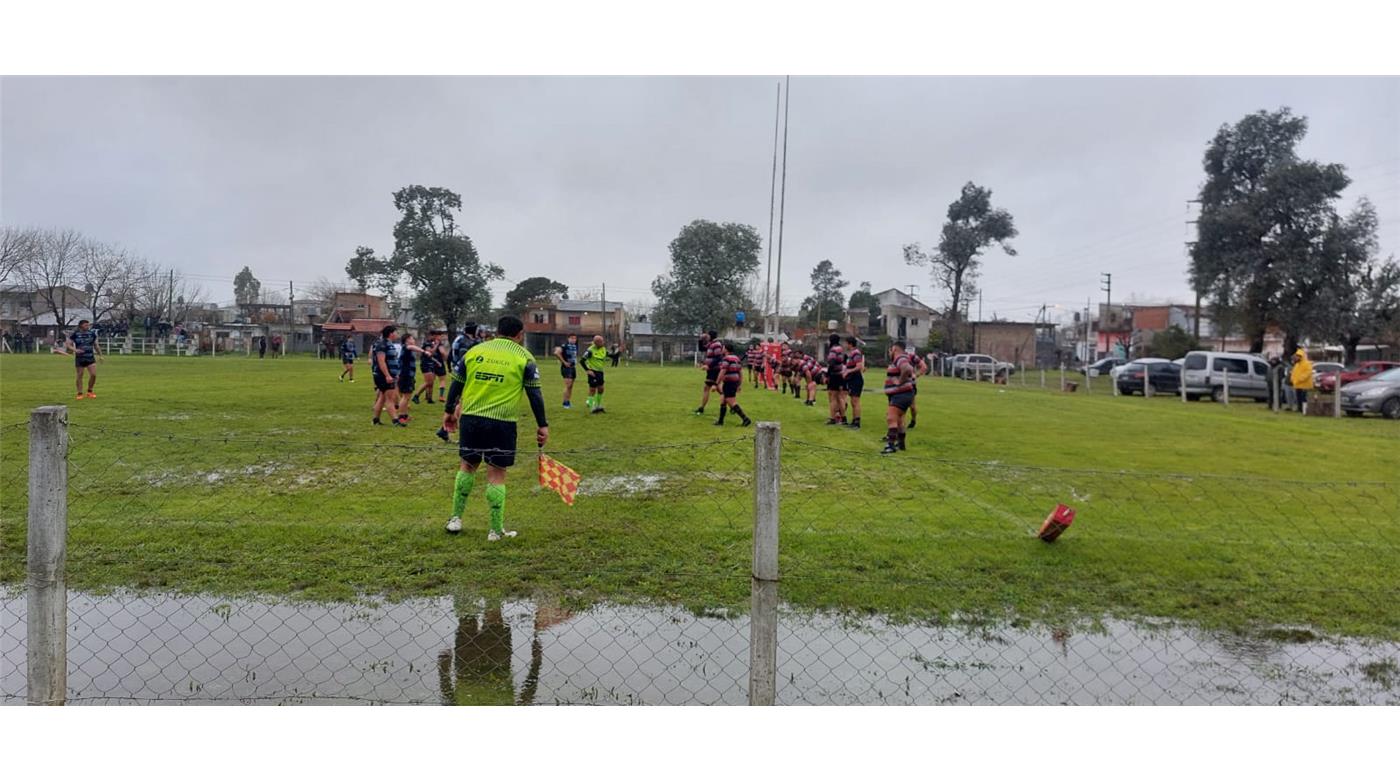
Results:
x,y
461,489
496,497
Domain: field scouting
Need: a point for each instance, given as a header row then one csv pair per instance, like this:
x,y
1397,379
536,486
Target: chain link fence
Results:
x,y
274,569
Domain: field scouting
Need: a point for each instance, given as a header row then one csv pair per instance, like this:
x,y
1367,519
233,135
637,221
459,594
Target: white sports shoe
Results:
x,y
454,525
496,537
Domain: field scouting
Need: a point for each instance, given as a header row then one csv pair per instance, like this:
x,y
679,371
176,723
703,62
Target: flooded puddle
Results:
x,y
196,649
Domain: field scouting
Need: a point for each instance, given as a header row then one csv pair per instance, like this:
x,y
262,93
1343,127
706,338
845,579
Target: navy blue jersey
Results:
x,y
386,348
84,342
460,346
407,365
570,353
347,350
428,361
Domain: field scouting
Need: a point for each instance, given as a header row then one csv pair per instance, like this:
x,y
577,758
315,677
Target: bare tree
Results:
x,y
53,268
16,251
323,291
103,270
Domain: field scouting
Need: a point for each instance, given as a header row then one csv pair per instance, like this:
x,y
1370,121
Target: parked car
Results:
x,y
1102,366
1165,377
1203,374
1378,395
1366,369
1117,370
972,366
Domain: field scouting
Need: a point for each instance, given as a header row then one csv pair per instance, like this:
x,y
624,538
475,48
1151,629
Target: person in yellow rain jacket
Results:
x,y
1301,377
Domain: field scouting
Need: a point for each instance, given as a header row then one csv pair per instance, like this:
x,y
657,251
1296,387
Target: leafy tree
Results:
x,y
528,291
1268,237
705,284
365,269
865,300
246,287
826,302
1172,343
973,226
1362,296
441,265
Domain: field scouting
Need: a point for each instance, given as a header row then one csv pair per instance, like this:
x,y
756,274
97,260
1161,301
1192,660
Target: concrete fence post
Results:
x,y
47,602
1226,376
1337,396
1146,380
763,618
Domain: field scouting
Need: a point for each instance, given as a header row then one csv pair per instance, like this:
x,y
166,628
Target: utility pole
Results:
x,y
170,297
291,306
782,211
603,306
1091,350
772,193
1196,317
979,305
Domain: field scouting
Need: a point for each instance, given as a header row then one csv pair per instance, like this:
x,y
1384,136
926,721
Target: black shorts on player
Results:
x,y
568,372
835,382
595,379
855,383
712,376
481,438
902,401
730,389
83,361
406,383
382,384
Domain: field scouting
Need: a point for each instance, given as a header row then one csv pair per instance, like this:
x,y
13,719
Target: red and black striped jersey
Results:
x,y
835,359
855,362
894,383
754,357
714,354
733,368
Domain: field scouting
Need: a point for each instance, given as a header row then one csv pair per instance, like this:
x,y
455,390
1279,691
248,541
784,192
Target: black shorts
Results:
x,y
406,383
855,383
568,372
382,383
834,382
902,400
481,438
915,391
711,377
595,379
83,361
347,361
730,389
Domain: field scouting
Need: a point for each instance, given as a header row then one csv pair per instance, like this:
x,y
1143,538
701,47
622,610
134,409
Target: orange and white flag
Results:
x,y
559,478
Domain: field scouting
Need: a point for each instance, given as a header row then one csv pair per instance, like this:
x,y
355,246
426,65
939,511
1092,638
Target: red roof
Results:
x,y
358,326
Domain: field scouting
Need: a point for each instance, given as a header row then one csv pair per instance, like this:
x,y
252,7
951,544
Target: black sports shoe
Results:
x,y
854,426
719,422
442,434
376,421
399,423
746,423
415,399
912,423
889,449
901,446
831,421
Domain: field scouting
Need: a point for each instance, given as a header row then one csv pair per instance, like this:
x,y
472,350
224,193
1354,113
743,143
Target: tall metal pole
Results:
x,y
782,210
603,307
772,196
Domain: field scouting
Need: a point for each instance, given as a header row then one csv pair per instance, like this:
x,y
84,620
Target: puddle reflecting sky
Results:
x,y
198,649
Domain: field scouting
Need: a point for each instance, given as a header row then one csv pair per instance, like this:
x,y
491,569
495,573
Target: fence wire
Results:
x,y
905,579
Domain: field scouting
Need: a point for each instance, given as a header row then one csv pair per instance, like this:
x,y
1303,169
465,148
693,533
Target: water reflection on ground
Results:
x,y
151,648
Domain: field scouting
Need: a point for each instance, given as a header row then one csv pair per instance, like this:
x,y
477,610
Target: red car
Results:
x,y
1364,370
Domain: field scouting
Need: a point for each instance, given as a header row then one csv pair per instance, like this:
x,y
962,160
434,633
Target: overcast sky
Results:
x,y
586,180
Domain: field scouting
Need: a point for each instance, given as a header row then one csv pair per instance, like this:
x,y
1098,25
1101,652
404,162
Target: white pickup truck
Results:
x,y
974,366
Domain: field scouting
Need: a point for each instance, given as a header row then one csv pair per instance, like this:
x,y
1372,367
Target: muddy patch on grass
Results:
x,y
152,648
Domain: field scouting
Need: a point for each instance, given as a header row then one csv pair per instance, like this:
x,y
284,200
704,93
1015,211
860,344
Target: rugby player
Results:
x,y
853,376
714,356
384,369
592,362
754,359
83,344
835,385
456,359
483,407
920,368
431,364
812,373
568,366
731,377
899,389
347,359
406,378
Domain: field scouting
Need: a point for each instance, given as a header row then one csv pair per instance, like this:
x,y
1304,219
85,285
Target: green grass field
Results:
x,y
234,475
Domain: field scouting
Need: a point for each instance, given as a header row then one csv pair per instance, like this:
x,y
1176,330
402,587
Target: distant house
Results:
x,y
902,316
1009,342
549,323
649,344
359,305
21,302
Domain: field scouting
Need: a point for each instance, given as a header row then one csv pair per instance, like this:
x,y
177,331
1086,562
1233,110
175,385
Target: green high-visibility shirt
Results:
x,y
594,355
495,375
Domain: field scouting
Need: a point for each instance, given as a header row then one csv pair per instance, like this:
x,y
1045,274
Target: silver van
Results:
x,y
1203,374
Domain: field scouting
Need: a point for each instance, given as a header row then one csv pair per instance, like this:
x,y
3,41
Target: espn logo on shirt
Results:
x,y
487,376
